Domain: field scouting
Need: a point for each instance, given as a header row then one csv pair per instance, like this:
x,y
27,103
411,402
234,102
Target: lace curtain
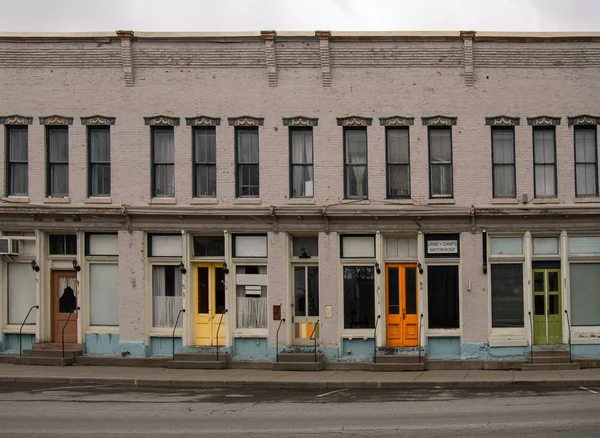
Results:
x,y
167,297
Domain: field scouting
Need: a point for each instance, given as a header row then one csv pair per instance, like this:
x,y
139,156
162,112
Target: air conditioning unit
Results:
x,y
9,246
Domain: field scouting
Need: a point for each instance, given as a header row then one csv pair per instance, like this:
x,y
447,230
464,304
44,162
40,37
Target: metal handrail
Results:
x,y
175,328
62,335
315,339
219,328
277,340
375,339
21,329
569,327
419,336
530,339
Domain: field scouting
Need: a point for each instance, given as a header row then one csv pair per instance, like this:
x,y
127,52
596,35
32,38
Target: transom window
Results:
x,y
586,161
503,160
247,163
62,244
301,157
398,163
440,162
205,162
544,152
355,163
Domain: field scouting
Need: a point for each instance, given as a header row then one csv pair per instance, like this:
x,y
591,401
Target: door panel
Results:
x,y
411,319
554,307
393,316
306,305
209,304
547,314
219,318
64,306
402,321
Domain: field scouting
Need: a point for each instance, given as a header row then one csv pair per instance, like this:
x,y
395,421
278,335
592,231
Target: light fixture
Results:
x,y
35,266
377,268
303,254
182,268
420,268
76,265
225,268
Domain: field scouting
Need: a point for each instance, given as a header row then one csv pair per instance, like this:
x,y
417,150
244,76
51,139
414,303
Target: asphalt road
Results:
x,y
112,411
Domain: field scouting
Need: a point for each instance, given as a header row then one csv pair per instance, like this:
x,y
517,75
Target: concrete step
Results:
x,y
110,361
7,358
201,357
48,361
298,366
300,357
550,366
397,367
56,346
550,359
397,358
52,353
503,364
200,365
548,353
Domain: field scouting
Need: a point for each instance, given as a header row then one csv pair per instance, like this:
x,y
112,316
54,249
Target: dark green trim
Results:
x,y
514,163
585,128
440,128
545,128
356,128
387,163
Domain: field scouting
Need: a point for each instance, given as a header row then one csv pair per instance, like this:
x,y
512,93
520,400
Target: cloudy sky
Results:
x,y
349,15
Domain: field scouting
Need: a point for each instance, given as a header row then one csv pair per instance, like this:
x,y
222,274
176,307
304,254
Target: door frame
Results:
x,y
212,315
54,274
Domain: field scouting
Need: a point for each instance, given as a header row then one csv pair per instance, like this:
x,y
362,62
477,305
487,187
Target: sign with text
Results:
x,y
442,245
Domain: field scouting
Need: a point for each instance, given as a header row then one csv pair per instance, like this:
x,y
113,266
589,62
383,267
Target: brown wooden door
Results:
x,y
64,306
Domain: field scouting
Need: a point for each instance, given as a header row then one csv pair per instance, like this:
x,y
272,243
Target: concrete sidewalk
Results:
x,y
228,378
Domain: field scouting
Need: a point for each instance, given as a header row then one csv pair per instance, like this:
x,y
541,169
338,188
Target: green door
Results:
x,y
547,315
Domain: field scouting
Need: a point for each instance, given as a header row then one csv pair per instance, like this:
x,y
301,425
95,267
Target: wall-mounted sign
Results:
x,y
442,245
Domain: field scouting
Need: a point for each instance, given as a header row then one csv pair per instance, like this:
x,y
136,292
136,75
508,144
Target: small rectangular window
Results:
x,y
97,244
205,162
163,162
247,163
104,294
355,163
209,246
545,246
250,245
544,153
167,296
57,161
21,285
440,162
586,161
401,247
357,246
99,161
251,297
507,295
442,297
585,295
301,158
503,160
164,245
506,245
398,163
63,244
17,160
584,245
359,297
305,247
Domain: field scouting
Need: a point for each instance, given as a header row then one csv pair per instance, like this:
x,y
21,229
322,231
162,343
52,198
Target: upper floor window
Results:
x,y
440,162
586,161
163,162
62,244
301,158
16,161
503,162
99,161
205,162
544,153
355,163
246,157
57,164
398,163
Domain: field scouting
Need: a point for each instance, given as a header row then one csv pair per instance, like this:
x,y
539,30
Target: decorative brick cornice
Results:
x,y
543,121
203,121
503,121
396,121
98,120
56,120
354,121
300,121
245,121
584,119
438,121
16,120
324,36
161,121
126,37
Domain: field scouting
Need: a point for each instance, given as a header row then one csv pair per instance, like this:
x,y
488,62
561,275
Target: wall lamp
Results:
x,y
182,268
225,268
76,265
420,268
377,269
35,266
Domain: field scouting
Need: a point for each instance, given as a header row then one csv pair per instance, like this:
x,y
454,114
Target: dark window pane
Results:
x,y
299,291
170,280
63,244
442,297
100,176
203,296
393,292
313,291
219,291
553,304
359,297
248,180
164,180
540,308
538,282
205,146
411,290
305,245
553,281
356,182
17,146
206,180
398,180
507,295
397,146
209,246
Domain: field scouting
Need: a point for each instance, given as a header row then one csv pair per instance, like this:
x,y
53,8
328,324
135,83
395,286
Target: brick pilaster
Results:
x,y
126,37
323,36
268,36
468,36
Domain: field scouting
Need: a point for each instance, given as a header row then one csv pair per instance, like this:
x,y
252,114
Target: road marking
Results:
x,y
333,392
588,389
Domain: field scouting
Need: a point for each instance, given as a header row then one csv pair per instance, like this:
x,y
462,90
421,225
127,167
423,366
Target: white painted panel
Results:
x,y
104,244
358,246
506,245
21,293
251,279
166,246
250,246
104,294
401,247
584,245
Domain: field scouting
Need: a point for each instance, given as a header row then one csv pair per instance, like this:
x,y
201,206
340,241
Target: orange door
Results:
x,y
64,306
402,322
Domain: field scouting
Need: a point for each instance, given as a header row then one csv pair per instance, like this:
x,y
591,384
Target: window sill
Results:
x,y
443,333
98,200
197,201
155,333
66,200
301,201
358,334
28,329
102,330
589,199
17,199
399,201
163,201
552,200
504,201
357,201
441,201
247,201
251,333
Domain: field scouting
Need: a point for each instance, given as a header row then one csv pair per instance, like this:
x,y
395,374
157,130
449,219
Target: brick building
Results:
x,y
413,191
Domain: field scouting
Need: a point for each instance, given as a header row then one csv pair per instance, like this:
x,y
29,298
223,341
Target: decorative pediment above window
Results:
x,y
203,121
584,119
98,120
56,120
161,121
300,121
396,121
245,121
16,120
438,121
543,121
354,121
503,121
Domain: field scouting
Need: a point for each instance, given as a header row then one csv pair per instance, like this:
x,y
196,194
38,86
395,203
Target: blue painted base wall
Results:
x,y
10,343
101,344
131,349
159,346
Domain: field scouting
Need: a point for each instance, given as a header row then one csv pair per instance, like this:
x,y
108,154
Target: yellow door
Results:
x,y
402,322
209,304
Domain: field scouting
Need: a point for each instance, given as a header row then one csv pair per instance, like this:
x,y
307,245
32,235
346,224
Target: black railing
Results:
x,y
219,328
530,339
314,338
277,340
419,336
62,335
569,327
375,339
21,330
173,335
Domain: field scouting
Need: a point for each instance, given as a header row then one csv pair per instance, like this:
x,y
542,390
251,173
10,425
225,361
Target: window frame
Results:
x,y
535,188
430,129
154,129
238,130
9,189
510,129
65,255
91,163
207,164
291,131
595,163
388,164
49,164
365,165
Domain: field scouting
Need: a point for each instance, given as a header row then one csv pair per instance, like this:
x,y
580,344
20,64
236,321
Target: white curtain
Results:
x,y
545,162
166,307
58,159
251,312
302,160
18,158
356,161
164,159
21,293
100,161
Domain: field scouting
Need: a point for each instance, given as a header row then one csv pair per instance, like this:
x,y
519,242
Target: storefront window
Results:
x,y
359,297
585,294
507,295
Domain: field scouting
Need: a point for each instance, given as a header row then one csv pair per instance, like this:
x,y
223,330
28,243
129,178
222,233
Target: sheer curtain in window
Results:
x,y
585,161
302,163
251,308
504,163
17,158
356,163
440,156
545,162
164,163
100,161
58,160
167,297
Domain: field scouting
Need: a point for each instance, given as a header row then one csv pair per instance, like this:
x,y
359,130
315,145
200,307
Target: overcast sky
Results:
x,y
349,15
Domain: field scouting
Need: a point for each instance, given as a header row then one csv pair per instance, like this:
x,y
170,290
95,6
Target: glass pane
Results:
x,y
356,146
507,295
538,304
504,181
313,291
398,180
59,180
102,244
503,149
58,145
544,180
209,246
442,297
205,145
302,181
17,143
250,246
397,145
393,292
411,290
164,180
164,152
538,282
543,145
21,293
219,291
248,180
586,179
506,245
104,294
19,179
100,176
358,246
545,245
356,181
441,180
584,245
440,145
305,246
202,288
302,148
553,283
299,291
247,146
206,180
401,247
165,245
585,144
553,305
585,298
359,297
99,145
